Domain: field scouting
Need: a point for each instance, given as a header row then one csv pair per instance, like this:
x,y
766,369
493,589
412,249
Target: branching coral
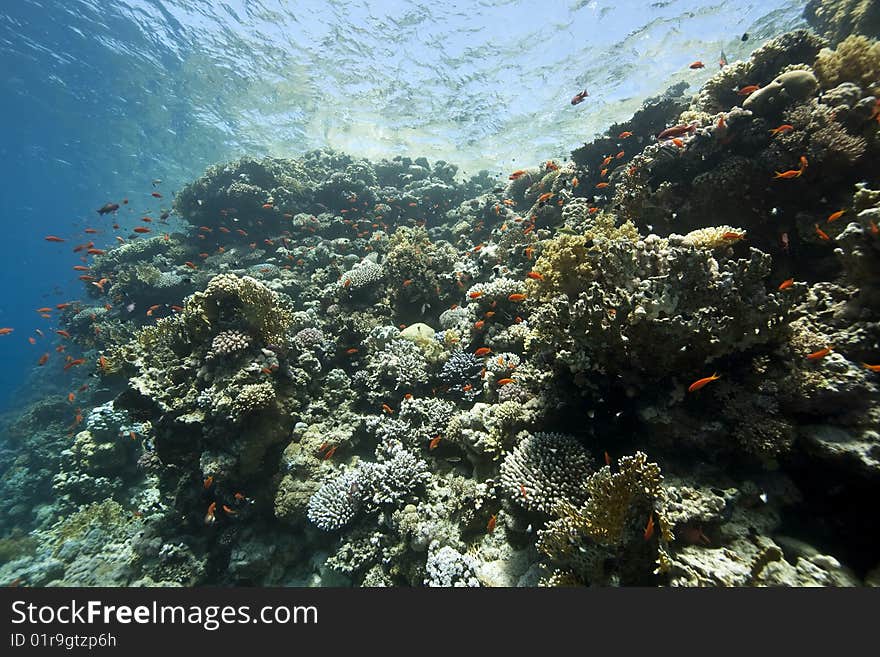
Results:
x,y
856,59
546,470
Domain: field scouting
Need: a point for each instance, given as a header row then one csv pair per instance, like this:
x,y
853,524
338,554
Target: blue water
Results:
x,y
101,97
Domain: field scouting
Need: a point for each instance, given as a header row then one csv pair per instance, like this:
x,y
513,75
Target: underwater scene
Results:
x,y
403,294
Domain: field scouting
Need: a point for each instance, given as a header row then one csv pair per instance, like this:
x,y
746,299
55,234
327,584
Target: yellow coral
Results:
x,y
564,264
713,237
857,60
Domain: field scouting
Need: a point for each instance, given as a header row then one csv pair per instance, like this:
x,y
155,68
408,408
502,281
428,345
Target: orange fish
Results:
x,y
330,452
229,511
626,134
504,382
535,275
649,528
267,206
70,397
697,64
95,251
490,526
545,197
785,127
607,459
489,314
821,233
209,516
575,182
32,340
873,368
80,268
601,185
61,332
239,496
43,359
141,229
209,480
730,235
482,351
53,238
265,370
516,174
816,355
387,409
434,442
699,383
791,173
74,363
190,265
606,161
155,195
787,283
352,350
90,231
407,282
619,155
678,142
873,227
479,324
152,309
748,90
516,297
529,252
835,216
44,309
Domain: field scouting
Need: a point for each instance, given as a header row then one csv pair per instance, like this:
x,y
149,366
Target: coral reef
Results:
x,y
344,372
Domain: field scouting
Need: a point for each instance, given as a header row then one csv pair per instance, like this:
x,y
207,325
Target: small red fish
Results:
x,y
482,351
32,340
748,90
516,297
209,516
787,283
785,127
490,526
649,528
873,368
677,131
190,265
697,64
626,134
229,511
155,195
821,233
607,459
387,409
330,452
479,324
53,238
601,185
699,383
141,229
208,482
580,97
70,397
821,353
61,332
434,442
834,216
504,382
43,359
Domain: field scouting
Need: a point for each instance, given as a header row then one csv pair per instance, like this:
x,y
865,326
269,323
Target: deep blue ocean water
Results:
x,y
101,97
